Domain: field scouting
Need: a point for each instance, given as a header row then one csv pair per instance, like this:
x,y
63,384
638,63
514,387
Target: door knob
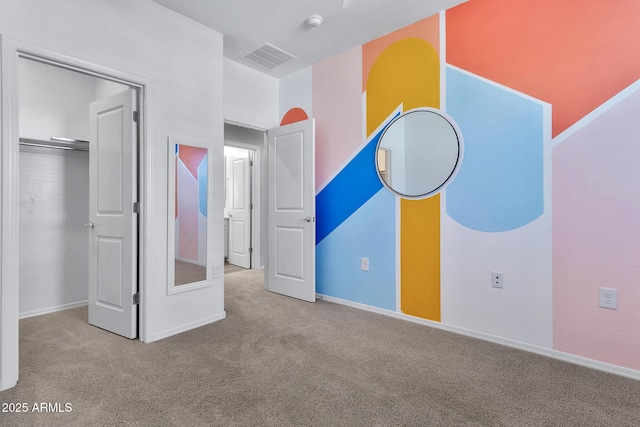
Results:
x,y
91,225
308,219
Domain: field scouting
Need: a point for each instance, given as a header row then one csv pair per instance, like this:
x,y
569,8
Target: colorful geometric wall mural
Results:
x,y
351,188
500,187
596,235
546,96
572,54
191,202
406,75
338,124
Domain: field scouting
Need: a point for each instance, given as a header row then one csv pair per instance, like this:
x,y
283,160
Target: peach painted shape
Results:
x,y
427,29
573,54
192,157
187,213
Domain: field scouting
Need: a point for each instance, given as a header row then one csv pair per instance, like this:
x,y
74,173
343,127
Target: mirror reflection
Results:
x,y
191,175
419,153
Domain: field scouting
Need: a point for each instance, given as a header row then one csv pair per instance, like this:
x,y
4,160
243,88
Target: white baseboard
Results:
x,y
54,309
192,261
188,326
555,354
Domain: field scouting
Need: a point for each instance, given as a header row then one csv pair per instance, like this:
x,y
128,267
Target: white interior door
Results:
x,y
113,254
291,211
240,211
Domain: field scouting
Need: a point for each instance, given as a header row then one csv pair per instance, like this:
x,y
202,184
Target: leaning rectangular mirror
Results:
x,y
188,215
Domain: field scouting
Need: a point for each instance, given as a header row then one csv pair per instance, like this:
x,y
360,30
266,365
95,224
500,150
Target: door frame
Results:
x,y
10,52
256,191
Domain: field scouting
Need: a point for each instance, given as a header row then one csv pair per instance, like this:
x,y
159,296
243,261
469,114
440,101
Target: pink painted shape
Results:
x,y
337,109
596,237
187,213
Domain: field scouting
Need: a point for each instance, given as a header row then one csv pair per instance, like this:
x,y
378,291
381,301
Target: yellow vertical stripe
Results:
x,y
408,73
420,257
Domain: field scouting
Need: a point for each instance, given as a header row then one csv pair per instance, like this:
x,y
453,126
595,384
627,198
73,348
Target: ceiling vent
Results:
x,y
268,56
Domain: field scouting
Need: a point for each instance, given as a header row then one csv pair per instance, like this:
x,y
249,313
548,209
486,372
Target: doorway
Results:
x,y
54,184
238,205
291,264
244,198
78,164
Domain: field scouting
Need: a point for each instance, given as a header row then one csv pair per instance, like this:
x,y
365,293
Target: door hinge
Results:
x,y
136,207
251,206
136,298
250,250
250,162
136,116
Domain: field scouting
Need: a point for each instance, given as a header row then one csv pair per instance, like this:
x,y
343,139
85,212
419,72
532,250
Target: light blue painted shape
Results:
x,y
203,176
500,184
369,232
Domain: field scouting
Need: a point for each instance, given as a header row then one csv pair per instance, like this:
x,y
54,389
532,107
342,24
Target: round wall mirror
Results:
x,y
419,153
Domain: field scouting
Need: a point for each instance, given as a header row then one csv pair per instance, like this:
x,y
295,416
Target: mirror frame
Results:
x,y
172,288
456,168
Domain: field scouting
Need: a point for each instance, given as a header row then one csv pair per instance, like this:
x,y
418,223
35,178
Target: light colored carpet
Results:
x,y
276,361
231,268
187,272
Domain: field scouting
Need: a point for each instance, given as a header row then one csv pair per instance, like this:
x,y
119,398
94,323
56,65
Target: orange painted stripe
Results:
x,y
294,115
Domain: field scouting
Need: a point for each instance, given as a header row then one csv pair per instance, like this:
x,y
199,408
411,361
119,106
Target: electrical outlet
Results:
x,y
497,280
217,271
608,298
365,264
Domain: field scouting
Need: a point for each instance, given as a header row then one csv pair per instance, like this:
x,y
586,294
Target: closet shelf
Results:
x,y
57,143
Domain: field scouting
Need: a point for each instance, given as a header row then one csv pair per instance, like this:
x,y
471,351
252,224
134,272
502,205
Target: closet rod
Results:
x,y
58,143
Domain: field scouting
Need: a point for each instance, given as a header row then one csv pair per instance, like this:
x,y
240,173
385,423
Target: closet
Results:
x,y
54,185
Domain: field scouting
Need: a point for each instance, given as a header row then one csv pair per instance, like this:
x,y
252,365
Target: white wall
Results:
x,y
105,88
54,205
51,100
55,101
250,97
181,62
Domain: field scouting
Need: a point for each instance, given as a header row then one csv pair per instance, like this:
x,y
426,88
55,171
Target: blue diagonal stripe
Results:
x,y
351,188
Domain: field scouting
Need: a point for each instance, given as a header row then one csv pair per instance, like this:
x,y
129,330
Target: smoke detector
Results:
x,y
314,20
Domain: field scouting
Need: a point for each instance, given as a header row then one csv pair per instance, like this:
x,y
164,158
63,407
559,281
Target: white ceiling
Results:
x,y
248,24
